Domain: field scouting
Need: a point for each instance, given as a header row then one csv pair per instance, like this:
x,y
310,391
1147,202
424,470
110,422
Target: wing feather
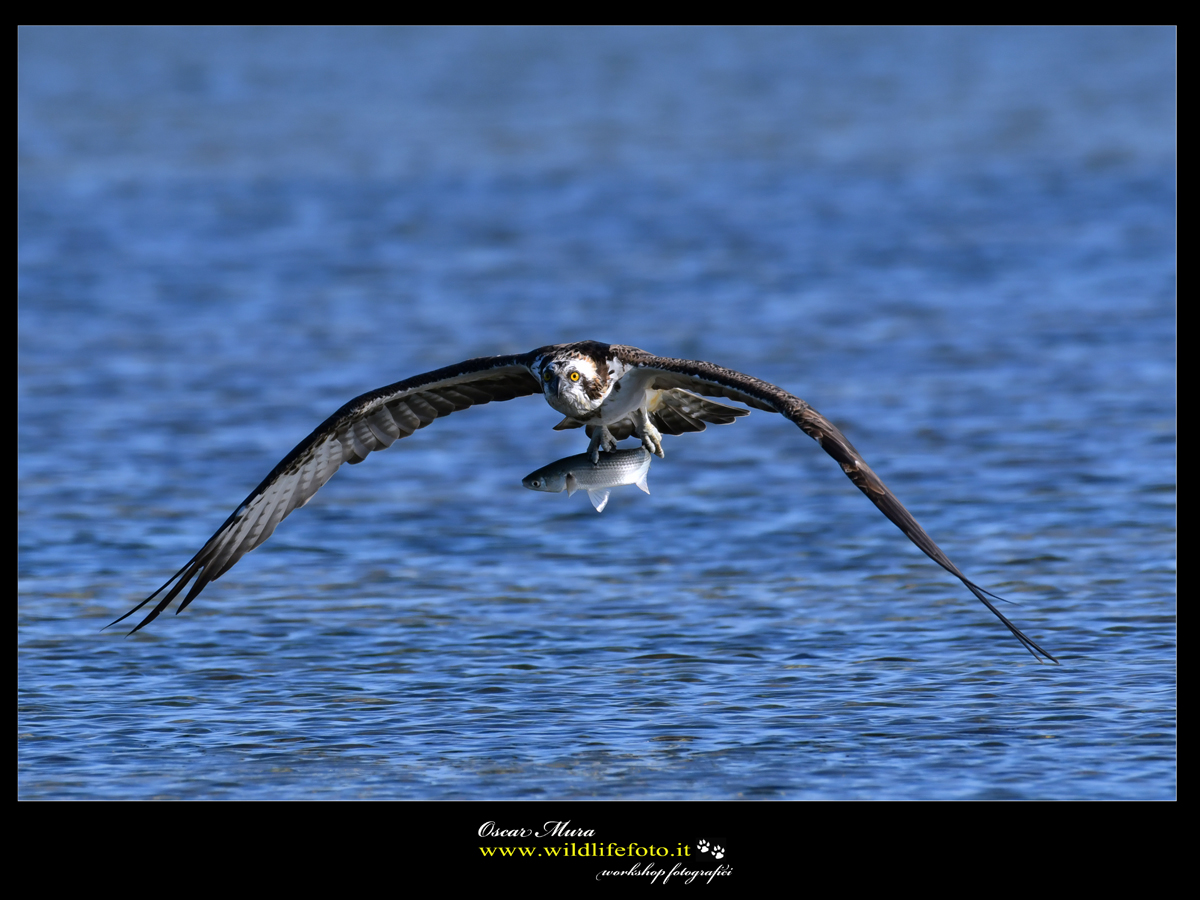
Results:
x,y
422,408
677,411
454,397
373,421
469,394
404,417
712,380
362,442
383,426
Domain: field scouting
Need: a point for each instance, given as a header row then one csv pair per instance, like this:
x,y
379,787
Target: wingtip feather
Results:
x,y
1028,643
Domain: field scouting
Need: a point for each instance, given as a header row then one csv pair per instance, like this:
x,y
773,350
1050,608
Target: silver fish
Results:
x,y
578,473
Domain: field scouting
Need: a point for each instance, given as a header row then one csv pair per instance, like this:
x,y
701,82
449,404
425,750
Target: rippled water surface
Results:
x,y
958,245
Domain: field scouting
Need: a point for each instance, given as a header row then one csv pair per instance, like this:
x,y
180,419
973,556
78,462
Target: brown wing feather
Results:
x,y
678,412
711,380
371,422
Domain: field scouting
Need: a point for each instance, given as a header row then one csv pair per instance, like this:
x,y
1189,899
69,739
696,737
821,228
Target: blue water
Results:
x,y
959,245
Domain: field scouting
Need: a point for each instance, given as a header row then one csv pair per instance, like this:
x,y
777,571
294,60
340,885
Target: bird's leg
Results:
x,y
602,439
644,429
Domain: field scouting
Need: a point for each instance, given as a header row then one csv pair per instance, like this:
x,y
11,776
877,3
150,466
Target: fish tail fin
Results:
x,y
643,483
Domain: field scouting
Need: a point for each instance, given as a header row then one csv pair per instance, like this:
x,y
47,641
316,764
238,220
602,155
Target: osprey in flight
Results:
x,y
610,390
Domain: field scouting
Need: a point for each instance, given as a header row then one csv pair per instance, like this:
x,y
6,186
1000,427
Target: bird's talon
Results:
x,y
602,439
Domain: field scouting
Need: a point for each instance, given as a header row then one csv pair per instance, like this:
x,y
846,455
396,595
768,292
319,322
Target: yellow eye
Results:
x,y
574,376
547,375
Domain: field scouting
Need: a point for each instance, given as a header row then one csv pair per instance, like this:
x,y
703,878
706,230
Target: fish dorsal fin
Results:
x,y
572,484
642,482
599,499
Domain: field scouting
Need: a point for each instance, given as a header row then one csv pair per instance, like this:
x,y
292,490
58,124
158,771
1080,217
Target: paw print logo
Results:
x,y
702,846
718,851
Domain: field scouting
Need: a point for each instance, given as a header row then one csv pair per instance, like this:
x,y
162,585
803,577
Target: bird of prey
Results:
x,y
610,390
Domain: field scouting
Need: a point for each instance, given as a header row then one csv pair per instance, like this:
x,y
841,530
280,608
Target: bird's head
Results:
x,y
574,384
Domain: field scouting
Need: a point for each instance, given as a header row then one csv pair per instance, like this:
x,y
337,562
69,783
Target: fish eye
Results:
x,y
574,376
547,375
537,483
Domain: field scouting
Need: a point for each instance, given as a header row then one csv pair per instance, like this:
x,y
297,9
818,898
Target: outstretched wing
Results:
x,y
371,422
714,381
